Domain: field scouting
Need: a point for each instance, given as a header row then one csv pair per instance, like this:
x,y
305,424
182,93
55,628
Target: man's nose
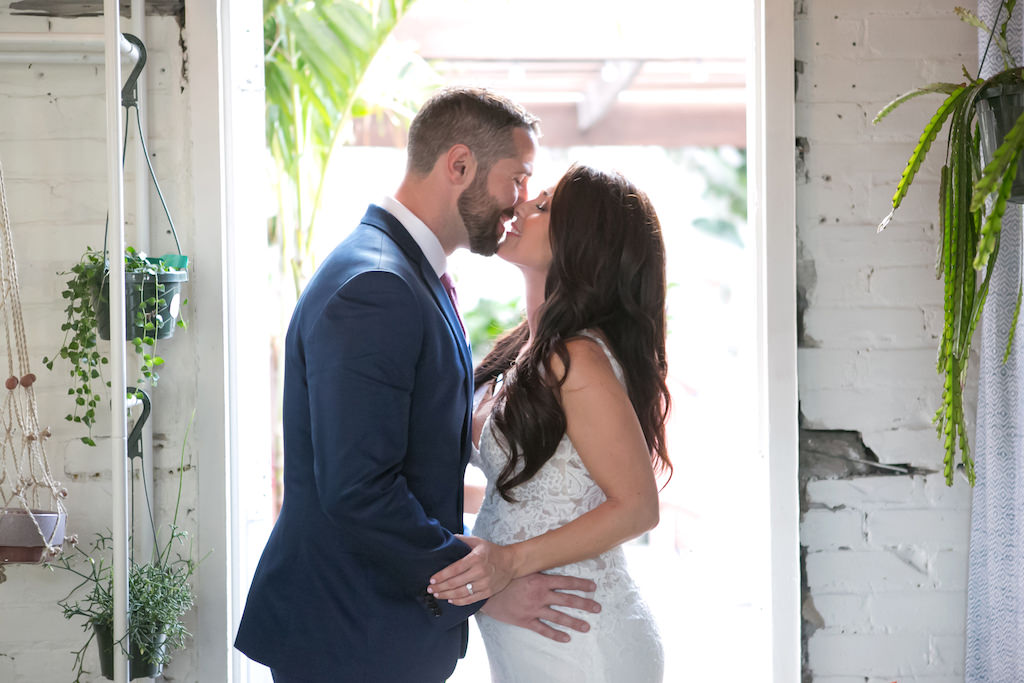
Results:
x,y
520,194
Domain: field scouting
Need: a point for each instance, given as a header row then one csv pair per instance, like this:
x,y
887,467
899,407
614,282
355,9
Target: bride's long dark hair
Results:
x,y
607,275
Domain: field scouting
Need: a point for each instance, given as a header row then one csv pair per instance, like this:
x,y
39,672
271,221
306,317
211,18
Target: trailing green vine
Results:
x,y
86,291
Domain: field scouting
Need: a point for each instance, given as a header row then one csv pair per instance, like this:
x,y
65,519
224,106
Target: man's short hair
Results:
x,y
475,117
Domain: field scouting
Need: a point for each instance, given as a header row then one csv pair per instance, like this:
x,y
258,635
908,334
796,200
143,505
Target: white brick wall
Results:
x,y
886,556
52,150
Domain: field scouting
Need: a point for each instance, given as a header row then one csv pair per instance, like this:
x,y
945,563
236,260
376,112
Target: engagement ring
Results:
x,y
469,587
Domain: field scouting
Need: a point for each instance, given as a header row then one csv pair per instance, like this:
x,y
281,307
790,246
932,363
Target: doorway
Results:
x,y
721,567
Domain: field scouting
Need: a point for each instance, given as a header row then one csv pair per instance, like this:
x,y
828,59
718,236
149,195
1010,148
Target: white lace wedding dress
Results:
x,y
622,645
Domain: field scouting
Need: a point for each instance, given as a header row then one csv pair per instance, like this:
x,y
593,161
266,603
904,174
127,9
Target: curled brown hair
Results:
x,y
607,275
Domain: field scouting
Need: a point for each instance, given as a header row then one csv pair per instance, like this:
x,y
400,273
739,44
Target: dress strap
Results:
x,y
616,366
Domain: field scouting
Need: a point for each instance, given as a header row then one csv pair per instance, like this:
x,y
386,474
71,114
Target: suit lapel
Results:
x,y
390,225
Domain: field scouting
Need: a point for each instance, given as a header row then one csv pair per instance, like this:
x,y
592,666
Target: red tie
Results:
x,y
449,287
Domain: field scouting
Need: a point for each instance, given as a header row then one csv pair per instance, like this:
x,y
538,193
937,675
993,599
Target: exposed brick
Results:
x,y
832,530
868,654
824,10
937,612
876,493
846,612
917,37
848,571
929,529
865,327
878,409
920,446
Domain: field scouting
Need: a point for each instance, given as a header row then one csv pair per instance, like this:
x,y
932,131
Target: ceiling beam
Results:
x,y
602,92
72,9
625,123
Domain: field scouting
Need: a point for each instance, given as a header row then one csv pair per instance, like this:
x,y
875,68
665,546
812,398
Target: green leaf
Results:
x,y
1013,325
317,55
1008,56
994,223
923,144
999,37
930,89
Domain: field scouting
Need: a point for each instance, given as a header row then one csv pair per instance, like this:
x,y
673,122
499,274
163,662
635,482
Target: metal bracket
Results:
x,y
130,91
135,438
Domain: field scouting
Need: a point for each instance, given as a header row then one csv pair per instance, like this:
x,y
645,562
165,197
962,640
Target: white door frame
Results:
x,y
225,47
226,104
772,213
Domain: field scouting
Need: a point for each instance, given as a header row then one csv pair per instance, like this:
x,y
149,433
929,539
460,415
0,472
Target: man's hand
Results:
x,y
531,598
485,571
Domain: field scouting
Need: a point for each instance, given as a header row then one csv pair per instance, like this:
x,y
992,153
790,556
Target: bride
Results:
x,y
570,426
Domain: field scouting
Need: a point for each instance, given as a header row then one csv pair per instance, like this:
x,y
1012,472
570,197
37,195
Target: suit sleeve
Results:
x,y
361,356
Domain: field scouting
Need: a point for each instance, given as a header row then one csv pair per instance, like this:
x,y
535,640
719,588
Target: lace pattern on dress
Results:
x,y
623,642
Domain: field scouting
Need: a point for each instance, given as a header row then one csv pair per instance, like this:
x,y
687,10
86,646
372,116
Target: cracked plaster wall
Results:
x,y
884,554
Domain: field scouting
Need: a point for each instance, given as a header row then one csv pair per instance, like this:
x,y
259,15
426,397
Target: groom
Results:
x,y
377,424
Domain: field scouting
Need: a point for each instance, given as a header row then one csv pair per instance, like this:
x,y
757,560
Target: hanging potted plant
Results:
x,y
153,296
983,159
152,293
159,596
152,311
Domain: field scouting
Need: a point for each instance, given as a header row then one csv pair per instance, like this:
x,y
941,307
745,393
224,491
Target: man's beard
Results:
x,y
481,215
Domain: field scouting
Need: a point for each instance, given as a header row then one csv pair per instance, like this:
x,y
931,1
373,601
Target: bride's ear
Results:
x,y
460,165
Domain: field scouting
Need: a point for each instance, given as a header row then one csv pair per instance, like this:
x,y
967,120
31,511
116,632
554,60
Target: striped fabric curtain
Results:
x,y
995,582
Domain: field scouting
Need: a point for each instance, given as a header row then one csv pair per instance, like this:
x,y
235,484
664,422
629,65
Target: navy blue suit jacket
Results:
x,y
377,419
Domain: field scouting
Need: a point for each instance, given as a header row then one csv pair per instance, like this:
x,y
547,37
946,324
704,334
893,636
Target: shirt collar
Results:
x,y
424,237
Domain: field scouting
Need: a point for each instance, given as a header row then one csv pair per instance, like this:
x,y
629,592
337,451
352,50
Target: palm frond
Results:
x,y
317,55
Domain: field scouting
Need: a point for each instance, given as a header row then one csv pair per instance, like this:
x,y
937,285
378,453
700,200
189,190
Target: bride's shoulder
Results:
x,y
590,361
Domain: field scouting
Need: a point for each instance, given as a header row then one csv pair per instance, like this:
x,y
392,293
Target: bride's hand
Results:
x,y
486,570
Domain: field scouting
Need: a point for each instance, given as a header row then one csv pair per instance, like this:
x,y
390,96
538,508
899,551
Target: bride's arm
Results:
x,y
604,428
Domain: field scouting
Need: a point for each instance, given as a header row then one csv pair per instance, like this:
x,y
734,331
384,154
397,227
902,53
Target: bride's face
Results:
x,y
526,243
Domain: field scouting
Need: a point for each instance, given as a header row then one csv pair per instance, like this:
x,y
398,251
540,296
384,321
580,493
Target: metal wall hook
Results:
x,y
130,91
135,438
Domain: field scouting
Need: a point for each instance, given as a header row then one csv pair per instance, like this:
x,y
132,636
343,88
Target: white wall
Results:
x,y
52,151
886,556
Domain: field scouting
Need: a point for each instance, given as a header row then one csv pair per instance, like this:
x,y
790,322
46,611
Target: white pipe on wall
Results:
x,y
143,240
59,48
118,378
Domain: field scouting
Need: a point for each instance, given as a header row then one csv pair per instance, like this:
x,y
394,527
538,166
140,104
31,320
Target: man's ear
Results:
x,y
460,165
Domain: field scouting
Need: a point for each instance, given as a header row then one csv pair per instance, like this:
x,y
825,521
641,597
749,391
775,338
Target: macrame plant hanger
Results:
x,y
32,513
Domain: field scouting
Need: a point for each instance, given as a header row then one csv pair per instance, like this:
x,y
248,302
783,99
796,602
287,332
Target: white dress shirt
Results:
x,y
424,237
